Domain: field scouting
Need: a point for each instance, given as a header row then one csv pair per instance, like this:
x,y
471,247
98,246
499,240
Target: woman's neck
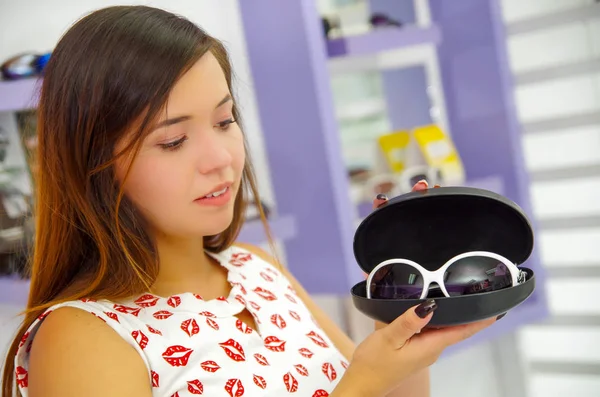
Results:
x,y
184,266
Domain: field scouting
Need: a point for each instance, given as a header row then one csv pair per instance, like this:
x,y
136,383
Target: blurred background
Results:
x,y
344,99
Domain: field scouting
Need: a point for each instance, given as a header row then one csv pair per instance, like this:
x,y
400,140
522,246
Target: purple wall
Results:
x,y
288,60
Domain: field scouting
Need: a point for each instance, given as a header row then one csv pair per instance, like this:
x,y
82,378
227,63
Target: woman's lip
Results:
x,y
217,188
215,201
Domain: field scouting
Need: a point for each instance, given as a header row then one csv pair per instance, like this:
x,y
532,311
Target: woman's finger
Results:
x,y
379,200
421,185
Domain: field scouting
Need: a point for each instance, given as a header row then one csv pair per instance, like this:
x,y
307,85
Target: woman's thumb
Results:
x,y
411,322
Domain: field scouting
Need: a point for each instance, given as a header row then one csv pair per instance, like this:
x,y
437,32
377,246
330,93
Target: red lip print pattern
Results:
x,y
127,310
154,331
242,256
301,369
174,301
195,387
317,339
233,350
113,316
266,277
260,381
43,315
240,299
274,344
234,387
22,376
272,271
305,352
210,366
265,294
329,371
24,339
162,314
85,300
140,338
291,384
175,395
177,356
207,314
212,323
261,359
146,300
243,327
240,286
191,335
190,327
155,379
290,298
278,321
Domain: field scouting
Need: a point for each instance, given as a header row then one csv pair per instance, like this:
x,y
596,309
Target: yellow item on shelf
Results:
x,y
393,146
439,151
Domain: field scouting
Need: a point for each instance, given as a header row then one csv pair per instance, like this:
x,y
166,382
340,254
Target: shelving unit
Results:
x,y
465,48
389,38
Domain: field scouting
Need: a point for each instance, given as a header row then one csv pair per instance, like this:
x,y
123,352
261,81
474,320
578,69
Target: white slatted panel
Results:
x,y
566,198
569,148
564,152
574,297
514,10
557,98
564,44
566,344
550,385
579,247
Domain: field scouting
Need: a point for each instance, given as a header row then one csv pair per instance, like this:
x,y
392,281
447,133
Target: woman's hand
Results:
x,y
396,351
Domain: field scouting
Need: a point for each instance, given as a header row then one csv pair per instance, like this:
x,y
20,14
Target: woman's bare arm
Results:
x,y
76,354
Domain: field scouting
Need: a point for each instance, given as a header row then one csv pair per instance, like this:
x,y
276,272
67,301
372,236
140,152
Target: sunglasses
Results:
x,y
466,274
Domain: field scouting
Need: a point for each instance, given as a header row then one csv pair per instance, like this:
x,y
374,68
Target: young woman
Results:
x,y
137,286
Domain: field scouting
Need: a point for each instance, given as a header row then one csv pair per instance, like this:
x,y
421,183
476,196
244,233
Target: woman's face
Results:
x,y
196,150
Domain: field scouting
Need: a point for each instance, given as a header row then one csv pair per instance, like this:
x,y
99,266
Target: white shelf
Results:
x,y
360,110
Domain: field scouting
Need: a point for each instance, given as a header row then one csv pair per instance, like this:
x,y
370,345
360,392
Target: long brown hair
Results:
x,y
112,71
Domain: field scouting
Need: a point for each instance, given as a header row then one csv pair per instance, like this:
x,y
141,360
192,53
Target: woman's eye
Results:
x,y
174,145
224,125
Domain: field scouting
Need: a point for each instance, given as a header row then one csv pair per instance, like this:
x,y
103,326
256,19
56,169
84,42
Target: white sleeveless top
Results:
x,y
196,347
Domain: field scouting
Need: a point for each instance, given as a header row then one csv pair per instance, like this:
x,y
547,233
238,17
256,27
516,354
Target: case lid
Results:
x,y
431,226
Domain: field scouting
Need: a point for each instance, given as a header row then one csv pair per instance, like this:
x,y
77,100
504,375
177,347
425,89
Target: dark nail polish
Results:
x,y
425,308
500,316
381,196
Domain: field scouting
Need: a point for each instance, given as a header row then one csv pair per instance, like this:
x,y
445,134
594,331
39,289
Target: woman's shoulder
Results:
x,y
84,350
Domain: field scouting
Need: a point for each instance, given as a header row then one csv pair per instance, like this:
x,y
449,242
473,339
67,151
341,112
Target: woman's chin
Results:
x,y
217,226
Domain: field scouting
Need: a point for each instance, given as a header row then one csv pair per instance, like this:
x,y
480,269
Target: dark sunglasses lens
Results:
x,y
475,275
397,281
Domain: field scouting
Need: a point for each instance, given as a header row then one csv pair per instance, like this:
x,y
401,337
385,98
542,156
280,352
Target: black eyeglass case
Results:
x,y
432,226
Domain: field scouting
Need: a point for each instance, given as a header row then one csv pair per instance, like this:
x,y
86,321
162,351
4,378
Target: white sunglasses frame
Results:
x,y
437,276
